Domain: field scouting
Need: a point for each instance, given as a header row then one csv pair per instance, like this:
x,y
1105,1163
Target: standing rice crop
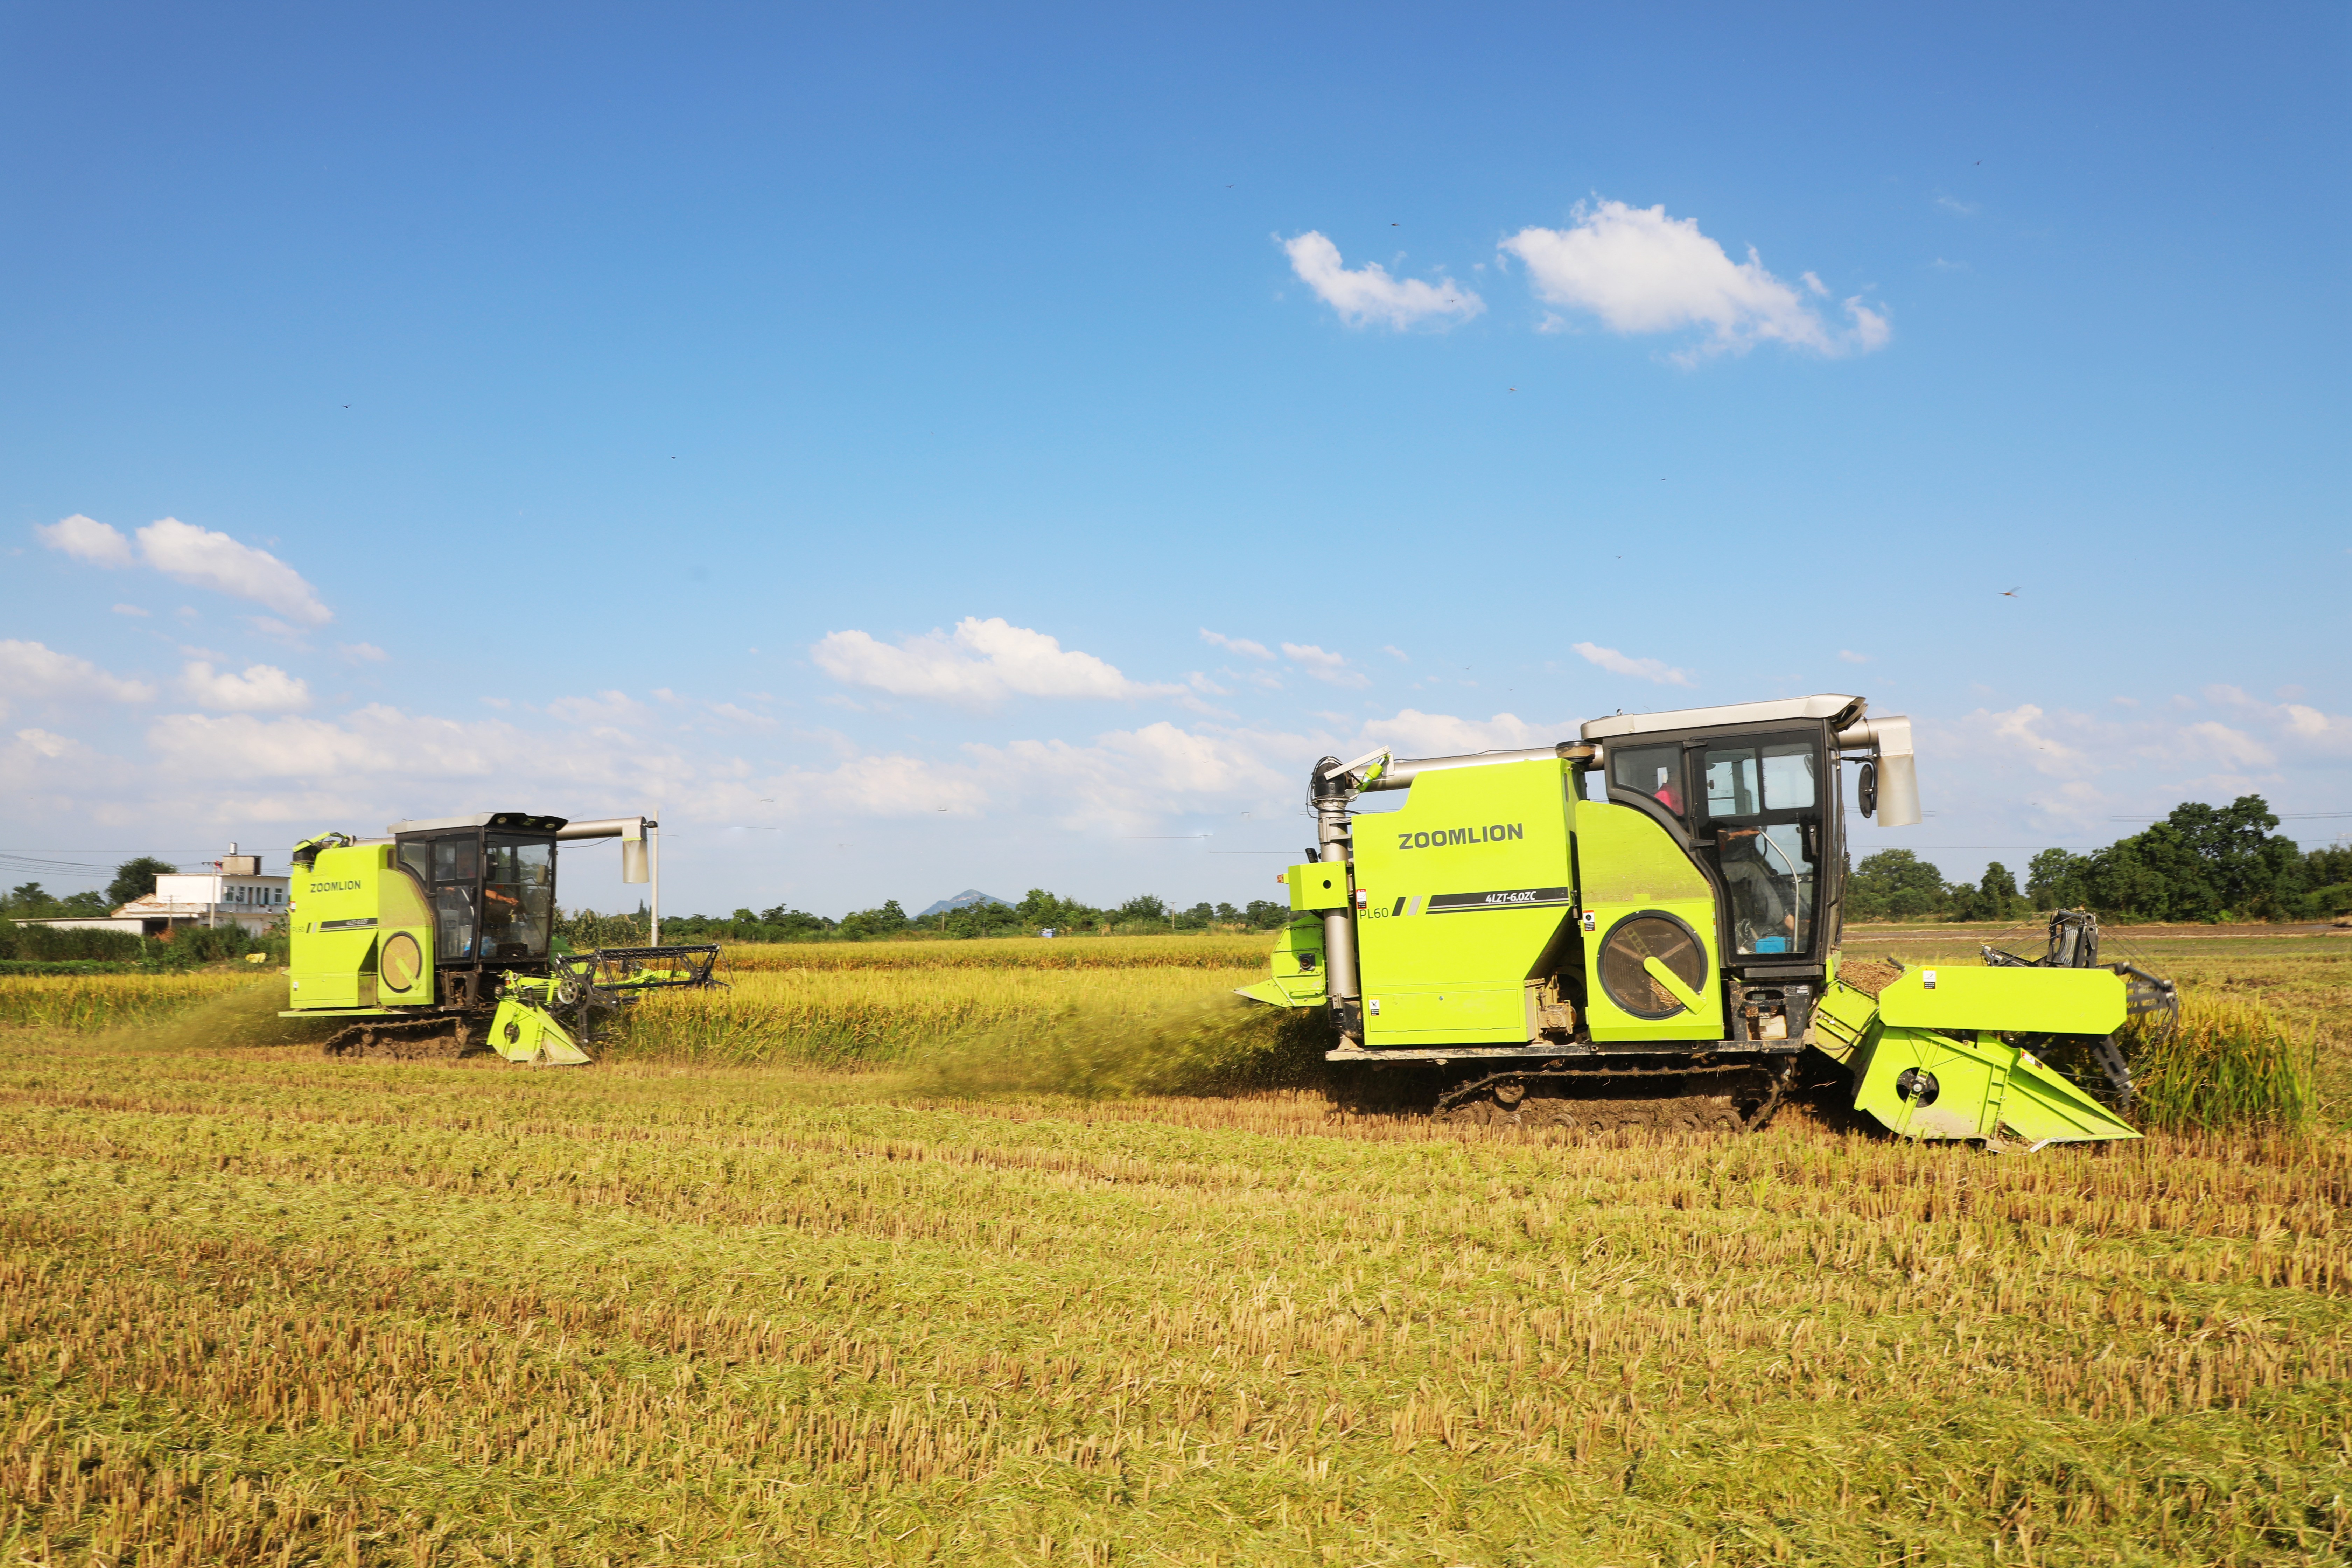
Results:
x,y
1204,950
82,1003
2229,1064
883,1017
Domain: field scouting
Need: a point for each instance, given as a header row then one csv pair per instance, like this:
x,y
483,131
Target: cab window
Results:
x,y
1654,771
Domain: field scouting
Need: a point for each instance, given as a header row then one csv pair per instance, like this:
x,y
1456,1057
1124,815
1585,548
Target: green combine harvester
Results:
x,y
1641,927
439,940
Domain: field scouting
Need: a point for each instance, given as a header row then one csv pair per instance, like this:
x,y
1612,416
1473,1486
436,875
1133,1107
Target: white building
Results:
x,y
232,891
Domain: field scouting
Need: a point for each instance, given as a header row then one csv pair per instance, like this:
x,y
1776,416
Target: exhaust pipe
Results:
x,y
1328,789
1888,741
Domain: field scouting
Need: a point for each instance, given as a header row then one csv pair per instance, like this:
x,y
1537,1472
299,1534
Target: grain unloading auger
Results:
x,y
1641,927
439,940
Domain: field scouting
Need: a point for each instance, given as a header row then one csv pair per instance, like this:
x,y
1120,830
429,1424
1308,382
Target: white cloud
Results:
x,y
981,662
198,556
605,709
263,688
361,652
742,717
32,672
1369,294
54,747
132,610
1237,645
1616,663
2294,725
1396,653
2233,747
379,759
1641,271
1847,655
2017,731
1954,205
87,539
1413,733
207,559
1328,667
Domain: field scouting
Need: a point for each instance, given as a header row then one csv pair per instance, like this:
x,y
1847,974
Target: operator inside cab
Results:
x,y
1761,802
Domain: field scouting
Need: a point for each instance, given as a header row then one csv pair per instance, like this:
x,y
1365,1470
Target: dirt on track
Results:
x,y
1601,1113
424,1040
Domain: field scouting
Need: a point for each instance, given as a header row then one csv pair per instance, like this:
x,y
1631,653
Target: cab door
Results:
x,y
1759,803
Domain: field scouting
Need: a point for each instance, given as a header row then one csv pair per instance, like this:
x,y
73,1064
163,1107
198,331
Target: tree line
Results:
x,y
1040,910
2201,863
132,879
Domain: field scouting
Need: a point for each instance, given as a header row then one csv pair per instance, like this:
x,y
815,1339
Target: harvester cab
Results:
x,y
1657,905
439,940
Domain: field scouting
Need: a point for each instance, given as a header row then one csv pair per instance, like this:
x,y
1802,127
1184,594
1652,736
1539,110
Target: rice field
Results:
x,y
1211,950
83,1002
902,1298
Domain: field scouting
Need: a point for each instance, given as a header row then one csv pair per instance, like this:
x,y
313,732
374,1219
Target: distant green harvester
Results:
x,y
438,940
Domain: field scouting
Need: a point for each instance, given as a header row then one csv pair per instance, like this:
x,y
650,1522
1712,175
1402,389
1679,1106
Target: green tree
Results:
x,y
2055,880
1995,898
2200,863
136,879
796,925
1895,884
864,924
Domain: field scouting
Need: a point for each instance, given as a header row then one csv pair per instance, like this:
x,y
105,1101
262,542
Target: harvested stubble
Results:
x,y
256,1307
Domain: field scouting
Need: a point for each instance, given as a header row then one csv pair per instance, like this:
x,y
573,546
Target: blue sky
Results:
x,y
717,411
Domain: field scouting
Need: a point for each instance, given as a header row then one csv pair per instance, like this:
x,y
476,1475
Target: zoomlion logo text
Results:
x,y
1438,838
334,886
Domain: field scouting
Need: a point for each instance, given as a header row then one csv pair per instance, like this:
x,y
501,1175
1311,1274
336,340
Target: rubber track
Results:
x,y
408,1040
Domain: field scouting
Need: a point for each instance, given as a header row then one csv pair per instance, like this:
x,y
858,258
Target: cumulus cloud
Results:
x,y
2294,725
1616,663
1236,644
379,758
132,610
1413,733
361,652
262,688
1329,667
87,539
980,662
201,557
1847,655
1639,270
1369,294
33,672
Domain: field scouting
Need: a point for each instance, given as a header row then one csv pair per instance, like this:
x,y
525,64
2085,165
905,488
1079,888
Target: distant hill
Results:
x,y
965,901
